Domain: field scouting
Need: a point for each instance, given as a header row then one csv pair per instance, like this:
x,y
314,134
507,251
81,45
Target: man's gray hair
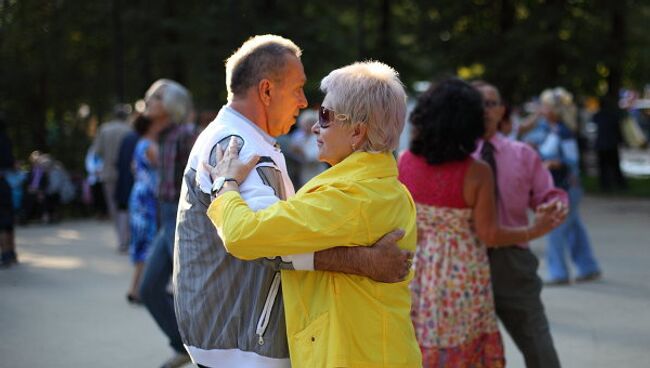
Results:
x,y
369,93
260,57
176,99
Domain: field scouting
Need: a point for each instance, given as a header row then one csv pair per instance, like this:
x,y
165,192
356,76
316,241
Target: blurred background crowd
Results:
x,y
612,137
74,141
73,75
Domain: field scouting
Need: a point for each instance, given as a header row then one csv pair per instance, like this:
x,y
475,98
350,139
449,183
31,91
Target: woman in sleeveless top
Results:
x,y
453,310
142,201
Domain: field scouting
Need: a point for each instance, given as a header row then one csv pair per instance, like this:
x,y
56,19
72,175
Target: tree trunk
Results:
x,y
506,23
385,51
617,47
118,50
361,32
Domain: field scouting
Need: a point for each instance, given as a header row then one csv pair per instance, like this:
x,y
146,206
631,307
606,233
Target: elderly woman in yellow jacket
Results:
x,y
336,319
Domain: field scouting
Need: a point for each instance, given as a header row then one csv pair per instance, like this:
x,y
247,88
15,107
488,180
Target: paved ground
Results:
x,y
64,305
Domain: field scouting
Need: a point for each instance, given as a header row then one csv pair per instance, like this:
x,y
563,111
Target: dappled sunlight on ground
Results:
x,y
52,262
69,234
115,266
69,246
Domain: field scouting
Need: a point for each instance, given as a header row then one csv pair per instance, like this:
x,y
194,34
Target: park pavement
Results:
x,y
64,305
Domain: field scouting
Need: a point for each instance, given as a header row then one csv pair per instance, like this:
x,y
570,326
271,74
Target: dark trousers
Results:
x,y
609,171
37,205
157,272
518,303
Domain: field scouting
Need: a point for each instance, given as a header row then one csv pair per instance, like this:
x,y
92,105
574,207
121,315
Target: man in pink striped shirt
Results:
x,y
523,184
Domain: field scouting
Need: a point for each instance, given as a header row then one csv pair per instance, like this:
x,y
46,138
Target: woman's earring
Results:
x,y
353,147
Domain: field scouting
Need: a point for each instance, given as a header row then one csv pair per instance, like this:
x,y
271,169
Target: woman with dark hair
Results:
x,y
453,310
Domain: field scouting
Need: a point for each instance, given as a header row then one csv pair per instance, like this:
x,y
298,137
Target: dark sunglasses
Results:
x,y
327,116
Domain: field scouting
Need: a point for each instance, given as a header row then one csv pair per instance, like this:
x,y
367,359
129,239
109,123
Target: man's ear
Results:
x,y
502,111
264,91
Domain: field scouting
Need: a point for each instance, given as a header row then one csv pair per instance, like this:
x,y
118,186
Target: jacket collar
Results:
x,y
359,166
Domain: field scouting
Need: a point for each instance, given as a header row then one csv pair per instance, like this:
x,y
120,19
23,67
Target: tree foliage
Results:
x,y
57,55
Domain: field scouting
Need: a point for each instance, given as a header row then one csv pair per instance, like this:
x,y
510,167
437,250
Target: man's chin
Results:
x,y
287,130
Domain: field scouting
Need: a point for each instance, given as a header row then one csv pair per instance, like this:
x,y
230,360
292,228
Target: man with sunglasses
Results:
x,y
522,183
230,312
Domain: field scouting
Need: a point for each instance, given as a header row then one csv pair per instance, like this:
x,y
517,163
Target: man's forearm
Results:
x,y
384,261
351,260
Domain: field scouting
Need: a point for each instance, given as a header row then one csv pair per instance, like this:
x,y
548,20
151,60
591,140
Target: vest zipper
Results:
x,y
265,317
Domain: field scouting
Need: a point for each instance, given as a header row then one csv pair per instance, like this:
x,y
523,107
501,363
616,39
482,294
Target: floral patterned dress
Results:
x,y
142,203
453,308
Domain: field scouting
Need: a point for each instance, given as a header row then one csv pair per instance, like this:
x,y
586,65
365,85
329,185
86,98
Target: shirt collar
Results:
x,y
269,139
497,140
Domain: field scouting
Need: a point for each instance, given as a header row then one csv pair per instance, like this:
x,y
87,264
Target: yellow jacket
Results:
x,y
334,319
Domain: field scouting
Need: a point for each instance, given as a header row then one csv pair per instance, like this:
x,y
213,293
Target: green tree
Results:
x,y
59,55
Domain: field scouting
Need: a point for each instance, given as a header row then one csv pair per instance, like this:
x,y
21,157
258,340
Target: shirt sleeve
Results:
x,y
308,222
298,262
543,189
570,153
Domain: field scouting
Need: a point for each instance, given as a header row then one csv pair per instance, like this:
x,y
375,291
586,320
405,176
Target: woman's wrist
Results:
x,y
229,186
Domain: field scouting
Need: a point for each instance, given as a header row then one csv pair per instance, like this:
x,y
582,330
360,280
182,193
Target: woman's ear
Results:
x,y
359,134
264,91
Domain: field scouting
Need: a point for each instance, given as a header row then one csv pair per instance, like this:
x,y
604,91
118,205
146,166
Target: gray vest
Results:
x,y
218,298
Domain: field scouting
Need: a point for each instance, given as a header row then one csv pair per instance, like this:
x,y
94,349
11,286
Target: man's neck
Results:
x,y
487,138
251,111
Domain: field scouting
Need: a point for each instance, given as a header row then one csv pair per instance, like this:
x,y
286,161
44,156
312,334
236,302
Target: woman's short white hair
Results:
x,y
176,99
369,93
560,102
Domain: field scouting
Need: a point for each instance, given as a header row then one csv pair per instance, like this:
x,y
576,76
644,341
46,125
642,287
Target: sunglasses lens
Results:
x,y
323,117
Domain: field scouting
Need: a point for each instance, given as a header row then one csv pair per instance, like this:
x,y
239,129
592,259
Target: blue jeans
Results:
x,y
571,236
157,272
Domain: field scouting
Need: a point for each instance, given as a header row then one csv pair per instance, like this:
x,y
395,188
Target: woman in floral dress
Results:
x,y
453,310
142,201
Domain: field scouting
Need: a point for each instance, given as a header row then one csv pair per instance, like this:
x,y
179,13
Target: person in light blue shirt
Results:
x,y
559,151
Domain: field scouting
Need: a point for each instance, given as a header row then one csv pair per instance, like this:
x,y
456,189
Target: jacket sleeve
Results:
x,y
307,222
257,195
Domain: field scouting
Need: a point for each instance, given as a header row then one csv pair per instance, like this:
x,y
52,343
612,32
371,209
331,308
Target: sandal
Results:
x,y
132,299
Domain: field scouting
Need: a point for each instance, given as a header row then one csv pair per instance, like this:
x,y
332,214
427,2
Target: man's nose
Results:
x,y
314,128
303,100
